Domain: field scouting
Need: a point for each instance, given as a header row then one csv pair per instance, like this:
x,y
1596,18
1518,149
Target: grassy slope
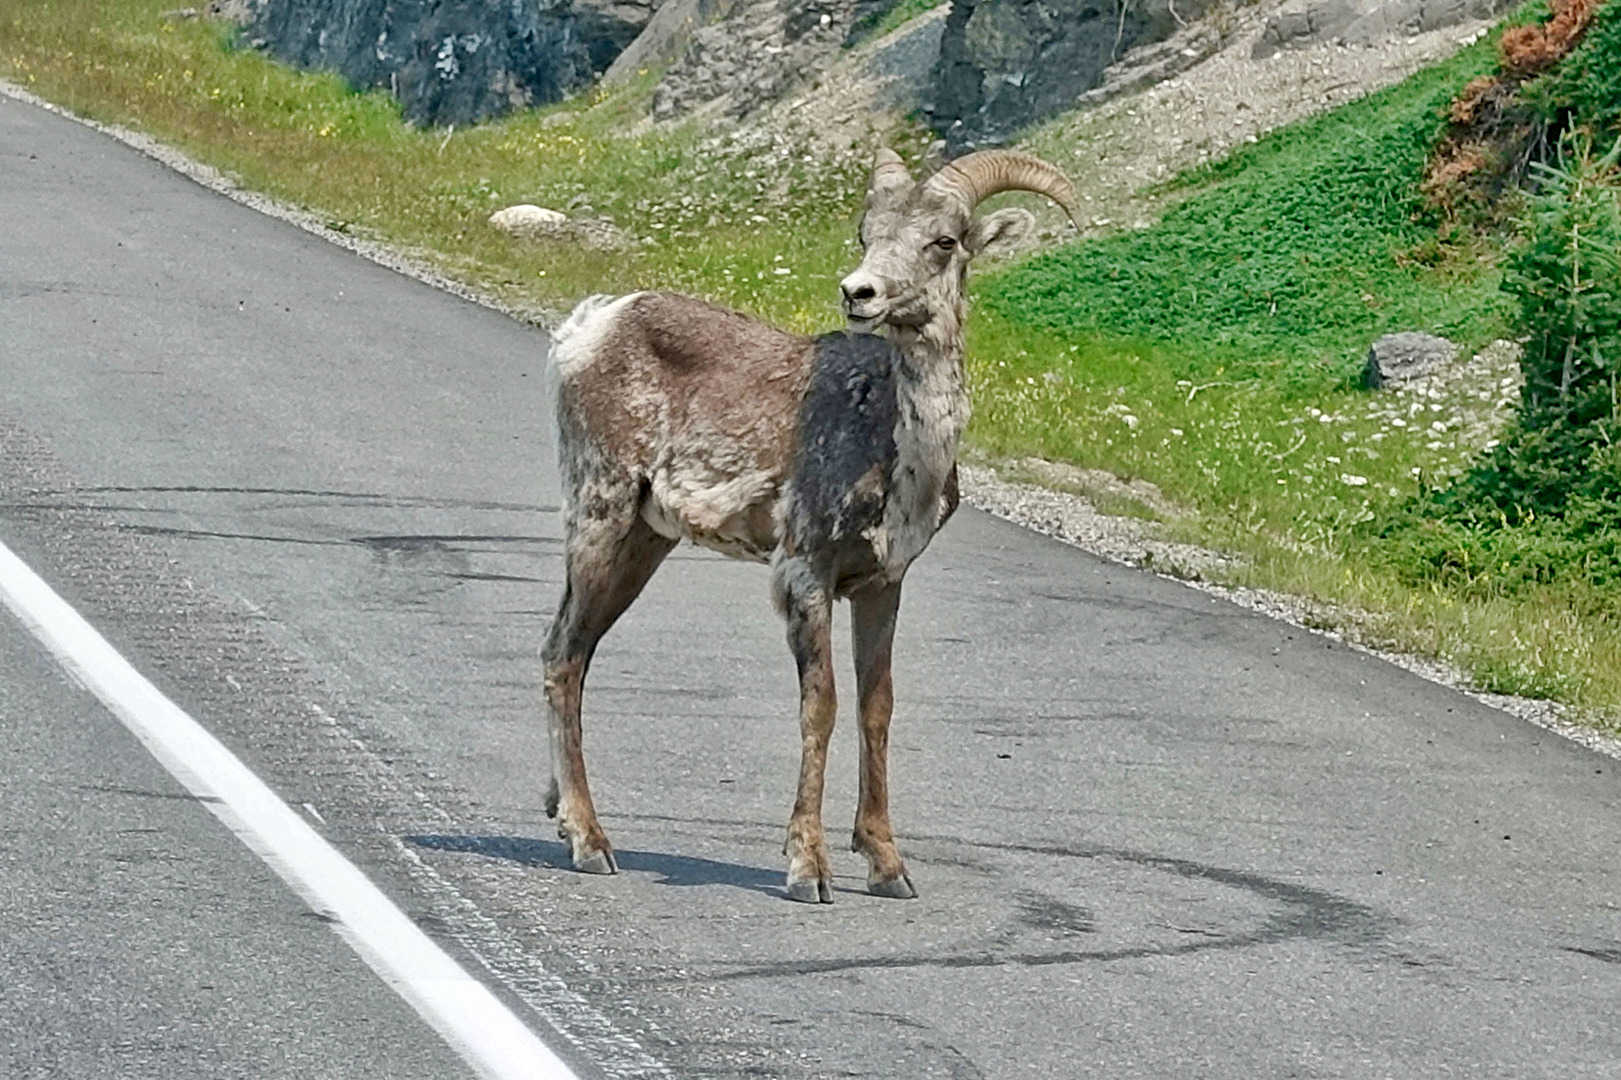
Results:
x,y
1215,354
1208,354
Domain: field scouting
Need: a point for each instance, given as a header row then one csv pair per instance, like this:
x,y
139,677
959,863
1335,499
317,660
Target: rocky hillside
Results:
x,y
453,61
977,71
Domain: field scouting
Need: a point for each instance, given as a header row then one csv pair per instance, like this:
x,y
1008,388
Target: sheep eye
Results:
x,y
945,243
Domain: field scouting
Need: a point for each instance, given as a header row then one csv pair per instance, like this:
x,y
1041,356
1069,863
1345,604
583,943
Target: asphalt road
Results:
x,y
1155,835
139,939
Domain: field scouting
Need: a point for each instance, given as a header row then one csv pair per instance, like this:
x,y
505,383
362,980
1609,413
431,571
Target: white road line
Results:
x,y
470,1018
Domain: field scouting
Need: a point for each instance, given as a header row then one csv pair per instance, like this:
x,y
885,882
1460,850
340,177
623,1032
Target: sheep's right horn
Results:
x,y
980,175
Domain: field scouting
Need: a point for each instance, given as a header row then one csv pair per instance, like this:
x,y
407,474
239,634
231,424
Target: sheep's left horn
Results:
x,y
980,175
889,167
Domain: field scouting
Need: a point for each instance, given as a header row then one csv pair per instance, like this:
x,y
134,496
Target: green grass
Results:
x,y
1289,256
1210,353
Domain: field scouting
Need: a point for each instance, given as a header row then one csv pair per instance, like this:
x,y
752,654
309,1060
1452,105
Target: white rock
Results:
x,y
526,219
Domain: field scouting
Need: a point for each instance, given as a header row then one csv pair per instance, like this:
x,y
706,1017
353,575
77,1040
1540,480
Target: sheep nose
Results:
x,y
857,290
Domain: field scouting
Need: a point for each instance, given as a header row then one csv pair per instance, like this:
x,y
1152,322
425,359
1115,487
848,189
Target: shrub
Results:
x,y
1494,131
1545,507
1585,90
1527,51
1567,279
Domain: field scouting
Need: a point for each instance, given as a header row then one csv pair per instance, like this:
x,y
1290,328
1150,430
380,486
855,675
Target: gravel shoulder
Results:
x,y
1132,541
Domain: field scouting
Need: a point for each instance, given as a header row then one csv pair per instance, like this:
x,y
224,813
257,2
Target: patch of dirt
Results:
x,y
1075,518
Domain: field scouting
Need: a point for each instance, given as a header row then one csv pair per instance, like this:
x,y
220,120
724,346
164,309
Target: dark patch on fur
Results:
x,y
842,472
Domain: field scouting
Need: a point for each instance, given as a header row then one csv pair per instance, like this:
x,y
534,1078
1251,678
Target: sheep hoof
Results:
x,y
895,889
598,862
811,891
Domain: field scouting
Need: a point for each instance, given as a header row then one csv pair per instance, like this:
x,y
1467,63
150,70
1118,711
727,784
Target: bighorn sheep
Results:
x,y
833,458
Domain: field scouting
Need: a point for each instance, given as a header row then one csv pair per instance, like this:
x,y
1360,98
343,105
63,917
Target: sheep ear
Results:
x,y
999,232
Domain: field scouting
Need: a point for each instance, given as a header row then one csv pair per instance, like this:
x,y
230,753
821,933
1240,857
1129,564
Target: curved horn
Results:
x,y
980,175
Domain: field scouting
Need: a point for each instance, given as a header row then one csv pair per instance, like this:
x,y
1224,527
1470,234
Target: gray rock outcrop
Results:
x,y
751,54
1399,358
1005,64
454,61
902,65
666,36
1303,23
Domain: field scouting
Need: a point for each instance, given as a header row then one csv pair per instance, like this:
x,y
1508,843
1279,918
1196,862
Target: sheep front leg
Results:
x,y
872,623
809,614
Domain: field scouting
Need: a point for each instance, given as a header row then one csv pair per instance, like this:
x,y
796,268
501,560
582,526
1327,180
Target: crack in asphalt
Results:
x,y
1609,956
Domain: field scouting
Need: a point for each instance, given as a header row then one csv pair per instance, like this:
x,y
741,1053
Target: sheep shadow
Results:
x,y
677,870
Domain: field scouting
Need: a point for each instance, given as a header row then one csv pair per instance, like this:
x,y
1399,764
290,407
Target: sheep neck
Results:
x,y
932,399
932,377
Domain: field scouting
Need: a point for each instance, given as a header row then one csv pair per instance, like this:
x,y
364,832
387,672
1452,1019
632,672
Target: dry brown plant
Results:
x,y
1491,133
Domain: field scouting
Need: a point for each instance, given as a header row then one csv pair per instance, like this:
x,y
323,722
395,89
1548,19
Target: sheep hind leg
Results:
x,y
872,623
608,562
808,610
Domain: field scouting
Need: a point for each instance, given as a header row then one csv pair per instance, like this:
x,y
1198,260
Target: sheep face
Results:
x,y
919,236
918,239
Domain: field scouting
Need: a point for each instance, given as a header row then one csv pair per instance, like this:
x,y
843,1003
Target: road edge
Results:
x,y
216,181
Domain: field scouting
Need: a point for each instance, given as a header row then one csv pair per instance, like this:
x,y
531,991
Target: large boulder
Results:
x,y
1403,357
901,66
666,37
1005,64
454,61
